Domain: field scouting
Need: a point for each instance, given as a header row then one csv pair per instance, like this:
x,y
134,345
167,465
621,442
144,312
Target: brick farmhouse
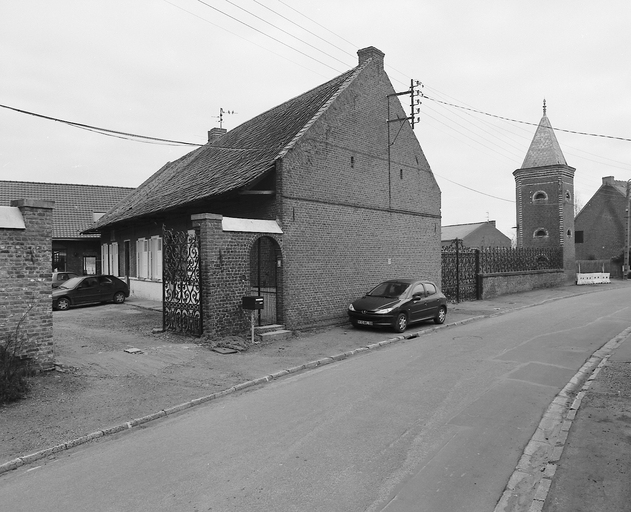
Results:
x,y
314,201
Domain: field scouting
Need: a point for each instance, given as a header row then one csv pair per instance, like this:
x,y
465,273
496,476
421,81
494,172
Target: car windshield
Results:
x,y
71,283
391,289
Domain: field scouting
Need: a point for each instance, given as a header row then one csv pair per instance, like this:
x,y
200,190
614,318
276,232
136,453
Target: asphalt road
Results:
x,y
430,424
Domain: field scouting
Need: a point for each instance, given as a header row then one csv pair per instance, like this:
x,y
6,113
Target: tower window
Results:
x,y
352,162
569,233
540,233
540,196
568,196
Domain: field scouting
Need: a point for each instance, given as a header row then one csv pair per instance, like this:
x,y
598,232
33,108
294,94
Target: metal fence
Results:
x,y
462,266
508,259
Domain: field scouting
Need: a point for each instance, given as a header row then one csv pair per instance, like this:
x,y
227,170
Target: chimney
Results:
x,y
609,180
214,134
371,53
491,222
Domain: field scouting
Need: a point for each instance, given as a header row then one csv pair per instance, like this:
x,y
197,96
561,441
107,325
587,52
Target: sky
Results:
x,y
167,68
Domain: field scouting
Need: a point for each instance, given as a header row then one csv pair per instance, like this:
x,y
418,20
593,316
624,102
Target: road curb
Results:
x,y
128,425
528,486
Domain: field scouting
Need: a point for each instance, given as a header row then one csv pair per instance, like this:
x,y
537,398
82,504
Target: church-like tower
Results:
x,y
545,196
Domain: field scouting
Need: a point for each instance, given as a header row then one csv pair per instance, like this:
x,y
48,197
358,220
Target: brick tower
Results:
x,y
545,196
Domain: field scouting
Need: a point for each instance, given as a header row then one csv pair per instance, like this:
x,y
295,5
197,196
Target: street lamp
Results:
x,y
625,266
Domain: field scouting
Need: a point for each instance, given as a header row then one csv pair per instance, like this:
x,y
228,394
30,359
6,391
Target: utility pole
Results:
x,y
415,100
625,266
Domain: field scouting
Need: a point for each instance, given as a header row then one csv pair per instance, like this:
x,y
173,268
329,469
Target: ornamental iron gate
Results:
x,y
460,269
182,294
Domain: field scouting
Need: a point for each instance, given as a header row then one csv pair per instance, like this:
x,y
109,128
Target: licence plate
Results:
x,y
364,322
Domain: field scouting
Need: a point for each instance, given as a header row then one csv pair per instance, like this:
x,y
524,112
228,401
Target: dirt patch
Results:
x,y
98,384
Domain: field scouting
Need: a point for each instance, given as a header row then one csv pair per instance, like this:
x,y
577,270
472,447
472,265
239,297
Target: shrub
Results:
x,y
14,368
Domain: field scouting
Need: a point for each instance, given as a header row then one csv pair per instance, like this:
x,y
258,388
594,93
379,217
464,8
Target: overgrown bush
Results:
x,y
14,369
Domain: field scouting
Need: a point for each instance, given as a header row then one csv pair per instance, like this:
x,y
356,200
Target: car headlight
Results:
x,y
384,311
351,308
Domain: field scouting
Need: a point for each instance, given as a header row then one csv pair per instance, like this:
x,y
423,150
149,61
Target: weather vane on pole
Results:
x,y
220,116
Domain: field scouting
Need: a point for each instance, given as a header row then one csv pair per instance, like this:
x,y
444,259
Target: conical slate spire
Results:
x,y
544,149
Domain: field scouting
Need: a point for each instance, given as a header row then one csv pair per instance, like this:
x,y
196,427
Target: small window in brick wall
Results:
x,y
352,162
579,237
540,233
540,197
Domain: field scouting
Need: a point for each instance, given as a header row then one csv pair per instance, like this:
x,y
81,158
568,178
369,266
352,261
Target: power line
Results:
x,y
106,131
301,27
316,23
474,190
241,37
267,35
525,122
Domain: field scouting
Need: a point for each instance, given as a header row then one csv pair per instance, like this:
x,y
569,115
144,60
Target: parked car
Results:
x,y
89,290
398,303
62,277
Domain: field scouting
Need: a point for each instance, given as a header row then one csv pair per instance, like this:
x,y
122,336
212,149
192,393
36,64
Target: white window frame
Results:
x,y
149,258
109,258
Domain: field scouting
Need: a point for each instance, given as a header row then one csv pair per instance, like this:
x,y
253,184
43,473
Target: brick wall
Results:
x,y
545,201
25,274
494,285
355,210
226,275
603,224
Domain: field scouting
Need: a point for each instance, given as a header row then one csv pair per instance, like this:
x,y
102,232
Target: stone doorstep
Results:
x,y
260,329
268,333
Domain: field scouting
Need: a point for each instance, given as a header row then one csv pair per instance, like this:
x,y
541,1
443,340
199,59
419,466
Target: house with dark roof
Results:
x,y
76,208
307,205
474,235
602,223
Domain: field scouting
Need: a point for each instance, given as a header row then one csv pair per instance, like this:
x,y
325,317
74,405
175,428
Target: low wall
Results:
x,y
505,283
143,289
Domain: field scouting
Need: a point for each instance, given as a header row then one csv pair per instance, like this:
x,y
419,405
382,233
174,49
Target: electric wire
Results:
x,y
268,36
105,131
285,31
526,122
155,140
244,38
301,27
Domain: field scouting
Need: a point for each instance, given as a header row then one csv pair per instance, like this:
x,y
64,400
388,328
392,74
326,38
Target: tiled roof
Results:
x,y
234,161
620,186
75,205
544,149
458,230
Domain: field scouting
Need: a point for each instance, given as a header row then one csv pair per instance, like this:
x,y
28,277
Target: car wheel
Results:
x,y
62,304
441,315
401,323
119,298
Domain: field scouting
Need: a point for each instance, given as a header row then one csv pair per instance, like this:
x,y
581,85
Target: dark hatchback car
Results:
x,y
398,303
89,290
